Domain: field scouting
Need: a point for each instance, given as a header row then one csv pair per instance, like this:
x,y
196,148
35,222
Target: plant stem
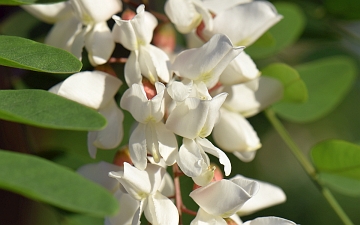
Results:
x,y
308,167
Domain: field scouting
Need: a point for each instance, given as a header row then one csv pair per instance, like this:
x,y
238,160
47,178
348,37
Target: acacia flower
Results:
x,y
145,59
144,186
221,199
150,135
271,220
80,23
194,120
96,90
205,64
233,133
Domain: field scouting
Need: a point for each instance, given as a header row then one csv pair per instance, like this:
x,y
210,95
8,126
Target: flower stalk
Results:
x,y
307,166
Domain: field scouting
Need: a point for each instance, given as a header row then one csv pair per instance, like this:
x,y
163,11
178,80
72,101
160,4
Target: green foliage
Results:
x,y
26,54
45,109
339,165
345,9
10,26
26,2
294,87
284,33
47,182
327,80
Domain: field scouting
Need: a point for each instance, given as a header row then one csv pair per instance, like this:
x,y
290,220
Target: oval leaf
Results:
x,y
26,54
44,109
339,165
292,25
294,88
328,81
42,180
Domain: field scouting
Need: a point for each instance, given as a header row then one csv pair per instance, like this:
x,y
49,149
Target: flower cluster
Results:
x,y
209,89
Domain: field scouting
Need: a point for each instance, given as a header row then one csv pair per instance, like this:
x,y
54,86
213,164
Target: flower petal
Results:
x,y
249,22
161,210
167,144
63,32
245,156
95,11
213,57
188,117
208,147
213,114
182,13
94,89
136,182
267,196
137,146
126,214
217,6
50,13
241,69
234,133
154,63
98,173
179,91
222,198
111,136
99,43
271,220
243,99
189,158
132,71
204,218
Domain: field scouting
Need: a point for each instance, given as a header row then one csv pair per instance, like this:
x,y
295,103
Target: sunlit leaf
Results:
x,y
42,180
294,88
24,2
284,33
27,54
339,165
45,109
328,81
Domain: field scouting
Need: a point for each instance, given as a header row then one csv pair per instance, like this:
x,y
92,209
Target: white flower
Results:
x,y
221,199
268,195
233,133
145,59
144,187
80,23
205,64
96,90
187,14
244,23
150,135
194,120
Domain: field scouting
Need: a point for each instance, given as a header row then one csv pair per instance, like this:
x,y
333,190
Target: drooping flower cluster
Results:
x,y
209,89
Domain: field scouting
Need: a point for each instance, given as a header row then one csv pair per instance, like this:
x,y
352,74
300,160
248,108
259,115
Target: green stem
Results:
x,y
308,167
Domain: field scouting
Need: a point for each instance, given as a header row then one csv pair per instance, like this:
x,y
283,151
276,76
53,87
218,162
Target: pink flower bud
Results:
x,y
107,69
122,156
229,221
165,37
149,88
128,14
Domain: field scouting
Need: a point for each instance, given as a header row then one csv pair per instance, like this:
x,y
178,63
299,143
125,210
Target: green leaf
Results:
x,y
42,180
339,165
328,81
44,109
26,54
284,33
266,40
294,88
23,19
25,2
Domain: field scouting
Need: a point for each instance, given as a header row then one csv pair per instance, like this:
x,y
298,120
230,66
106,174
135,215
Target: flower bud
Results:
x,y
149,88
122,156
165,37
128,14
